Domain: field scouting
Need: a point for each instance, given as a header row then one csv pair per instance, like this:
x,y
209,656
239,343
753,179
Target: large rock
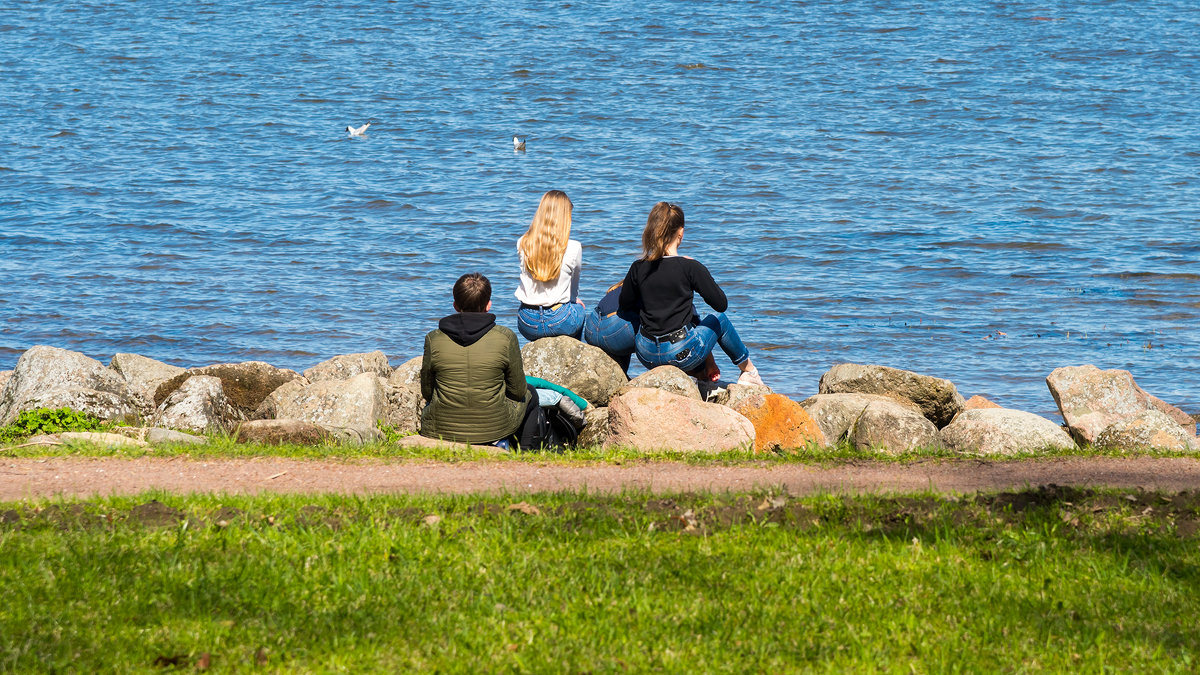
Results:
x,y
407,374
1183,419
5,376
1000,431
595,428
737,394
359,402
1150,429
835,414
780,423
404,406
49,377
582,368
278,432
199,404
1092,400
891,426
245,384
666,378
651,419
100,438
347,366
269,408
937,399
143,375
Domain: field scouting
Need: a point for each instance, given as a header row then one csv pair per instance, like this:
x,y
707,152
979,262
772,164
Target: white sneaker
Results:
x,y
750,377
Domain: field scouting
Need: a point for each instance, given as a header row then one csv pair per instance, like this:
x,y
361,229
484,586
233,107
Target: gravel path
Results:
x,y
86,477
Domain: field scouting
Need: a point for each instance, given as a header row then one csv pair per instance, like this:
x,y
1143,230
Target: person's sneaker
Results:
x,y
750,377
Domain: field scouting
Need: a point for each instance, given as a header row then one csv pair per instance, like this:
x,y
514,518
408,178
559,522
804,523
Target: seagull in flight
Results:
x,y
358,131
518,143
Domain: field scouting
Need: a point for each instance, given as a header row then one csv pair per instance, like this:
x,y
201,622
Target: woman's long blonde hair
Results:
x,y
545,242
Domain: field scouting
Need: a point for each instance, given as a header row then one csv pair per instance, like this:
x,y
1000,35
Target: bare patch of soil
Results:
x,y
24,478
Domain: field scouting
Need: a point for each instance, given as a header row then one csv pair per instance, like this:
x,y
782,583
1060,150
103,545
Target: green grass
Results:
x,y
1046,580
224,446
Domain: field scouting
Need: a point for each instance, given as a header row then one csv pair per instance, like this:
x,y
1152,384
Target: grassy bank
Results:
x,y
1052,579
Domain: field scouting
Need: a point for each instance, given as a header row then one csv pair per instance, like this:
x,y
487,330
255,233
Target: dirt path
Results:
x,y
86,477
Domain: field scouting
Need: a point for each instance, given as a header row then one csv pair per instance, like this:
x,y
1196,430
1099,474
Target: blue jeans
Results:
x,y
540,323
614,334
689,353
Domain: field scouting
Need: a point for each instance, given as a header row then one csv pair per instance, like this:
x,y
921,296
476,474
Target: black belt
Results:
x,y
673,336
548,307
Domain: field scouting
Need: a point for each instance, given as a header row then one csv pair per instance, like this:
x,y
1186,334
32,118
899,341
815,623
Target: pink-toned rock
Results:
x,y
1150,429
978,402
1185,420
667,378
278,432
1092,400
652,419
780,423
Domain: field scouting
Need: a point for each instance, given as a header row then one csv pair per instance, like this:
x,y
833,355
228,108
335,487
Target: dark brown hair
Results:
x,y
472,293
665,221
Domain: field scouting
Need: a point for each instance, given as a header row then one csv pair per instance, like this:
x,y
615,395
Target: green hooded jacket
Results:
x,y
472,376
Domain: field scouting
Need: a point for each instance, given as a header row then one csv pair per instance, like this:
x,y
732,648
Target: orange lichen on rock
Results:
x,y
780,423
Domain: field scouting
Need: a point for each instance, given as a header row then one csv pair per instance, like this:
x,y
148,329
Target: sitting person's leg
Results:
x,y
614,334
720,327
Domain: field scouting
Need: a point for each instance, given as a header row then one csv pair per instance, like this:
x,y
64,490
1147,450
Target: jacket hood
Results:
x,y
466,328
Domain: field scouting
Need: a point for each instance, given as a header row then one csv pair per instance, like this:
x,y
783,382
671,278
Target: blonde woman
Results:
x,y
660,287
550,262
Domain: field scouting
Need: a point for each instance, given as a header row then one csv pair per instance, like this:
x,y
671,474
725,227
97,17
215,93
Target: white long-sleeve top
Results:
x,y
564,289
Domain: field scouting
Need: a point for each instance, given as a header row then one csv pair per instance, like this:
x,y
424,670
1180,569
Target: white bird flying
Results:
x,y
518,143
358,131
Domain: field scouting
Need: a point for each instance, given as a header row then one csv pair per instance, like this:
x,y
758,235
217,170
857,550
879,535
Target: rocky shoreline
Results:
x,y
348,397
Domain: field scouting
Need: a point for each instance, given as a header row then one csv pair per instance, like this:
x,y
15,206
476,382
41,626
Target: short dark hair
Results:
x,y
472,293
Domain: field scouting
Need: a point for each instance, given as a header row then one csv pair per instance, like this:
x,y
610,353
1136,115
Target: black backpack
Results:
x,y
561,433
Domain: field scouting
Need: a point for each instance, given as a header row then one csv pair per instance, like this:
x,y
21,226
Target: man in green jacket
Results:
x,y
472,375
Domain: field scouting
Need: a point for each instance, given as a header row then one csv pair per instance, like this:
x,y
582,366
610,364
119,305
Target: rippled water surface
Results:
x,y
982,193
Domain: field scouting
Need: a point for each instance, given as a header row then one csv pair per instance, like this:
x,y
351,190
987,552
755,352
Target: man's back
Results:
x,y
472,376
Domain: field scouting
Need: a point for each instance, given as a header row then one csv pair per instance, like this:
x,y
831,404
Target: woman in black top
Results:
x,y
660,286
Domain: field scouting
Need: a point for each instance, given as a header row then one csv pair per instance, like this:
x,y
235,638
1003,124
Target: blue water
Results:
x,y
979,191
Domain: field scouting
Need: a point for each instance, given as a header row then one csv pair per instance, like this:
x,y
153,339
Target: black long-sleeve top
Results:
x,y
664,290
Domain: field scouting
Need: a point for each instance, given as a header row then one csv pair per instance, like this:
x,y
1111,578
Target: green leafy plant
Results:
x,y
49,421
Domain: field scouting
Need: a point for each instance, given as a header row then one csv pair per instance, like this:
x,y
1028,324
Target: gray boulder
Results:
x,y
888,425
49,377
1150,429
652,419
595,429
278,432
200,405
269,408
740,394
582,368
356,435
1000,431
143,375
359,402
666,378
937,399
5,376
246,384
404,406
407,374
836,414
347,366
